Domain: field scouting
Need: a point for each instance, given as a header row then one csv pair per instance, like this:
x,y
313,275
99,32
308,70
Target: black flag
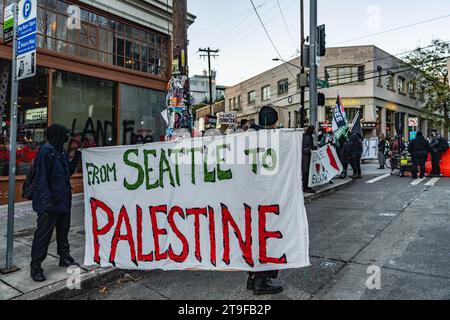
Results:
x,y
357,127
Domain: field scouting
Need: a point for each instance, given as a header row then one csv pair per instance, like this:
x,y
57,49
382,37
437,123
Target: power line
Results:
x,y
395,29
268,35
286,25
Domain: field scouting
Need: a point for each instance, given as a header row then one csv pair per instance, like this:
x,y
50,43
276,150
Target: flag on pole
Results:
x,y
340,122
356,126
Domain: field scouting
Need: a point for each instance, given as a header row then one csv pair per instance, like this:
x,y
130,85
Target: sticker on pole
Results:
x,y
26,40
8,24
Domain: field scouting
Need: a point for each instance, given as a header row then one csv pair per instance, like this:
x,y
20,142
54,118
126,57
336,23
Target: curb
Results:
x,y
59,290
328,190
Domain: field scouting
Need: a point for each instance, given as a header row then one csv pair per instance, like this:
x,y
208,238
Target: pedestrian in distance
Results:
x,y
52,199
438,147
383,145
261,282
307,149
355,150
419,149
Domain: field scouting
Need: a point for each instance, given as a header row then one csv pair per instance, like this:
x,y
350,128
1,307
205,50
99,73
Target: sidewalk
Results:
x,y
18,285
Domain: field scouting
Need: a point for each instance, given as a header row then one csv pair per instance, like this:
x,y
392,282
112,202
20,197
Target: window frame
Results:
x,y
265,97
282,89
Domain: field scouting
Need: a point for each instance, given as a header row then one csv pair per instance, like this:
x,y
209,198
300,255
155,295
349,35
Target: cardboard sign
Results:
x,y
216,203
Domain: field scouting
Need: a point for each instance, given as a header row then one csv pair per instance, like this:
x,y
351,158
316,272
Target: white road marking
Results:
x,y
432,182
417,182
379,178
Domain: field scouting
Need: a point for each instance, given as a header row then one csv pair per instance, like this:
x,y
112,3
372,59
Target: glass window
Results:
x,y
380,76
401,85
140,118
87,106
390,81
101,39
31,120
283,87
265,93
252,97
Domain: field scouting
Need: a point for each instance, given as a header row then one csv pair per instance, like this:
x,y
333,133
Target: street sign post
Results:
x,y
23,66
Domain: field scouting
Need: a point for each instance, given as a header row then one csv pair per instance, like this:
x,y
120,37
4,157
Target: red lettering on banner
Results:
x,y
95,204
184,254
141,257
197,212
158,232
212,235
246,246
123,217
264,235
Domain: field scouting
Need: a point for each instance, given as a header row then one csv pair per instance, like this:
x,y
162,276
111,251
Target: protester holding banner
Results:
x,y
308,147
261,282
52,199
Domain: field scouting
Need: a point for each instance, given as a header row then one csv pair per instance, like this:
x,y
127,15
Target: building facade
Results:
x,y
103,68
369,80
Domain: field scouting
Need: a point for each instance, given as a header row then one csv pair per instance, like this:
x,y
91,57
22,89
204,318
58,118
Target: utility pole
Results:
x,y
180,40
313,52
302,64
209,55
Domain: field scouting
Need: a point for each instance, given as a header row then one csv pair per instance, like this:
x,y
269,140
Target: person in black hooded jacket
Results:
x,y
419,149
52,199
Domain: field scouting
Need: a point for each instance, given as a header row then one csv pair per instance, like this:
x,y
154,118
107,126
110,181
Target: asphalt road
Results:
x,y
387,224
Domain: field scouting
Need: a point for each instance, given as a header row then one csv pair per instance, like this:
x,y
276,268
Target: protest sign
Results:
x,y
216,203
370,149
227,118
325,165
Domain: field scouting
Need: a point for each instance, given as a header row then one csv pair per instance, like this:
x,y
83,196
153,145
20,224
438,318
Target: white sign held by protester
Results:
x,y
370,149
217,203
325,165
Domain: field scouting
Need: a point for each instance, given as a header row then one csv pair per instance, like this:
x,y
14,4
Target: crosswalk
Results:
x,y
425,181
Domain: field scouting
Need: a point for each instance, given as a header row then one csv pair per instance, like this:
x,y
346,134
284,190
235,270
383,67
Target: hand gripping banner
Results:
x,y
217,203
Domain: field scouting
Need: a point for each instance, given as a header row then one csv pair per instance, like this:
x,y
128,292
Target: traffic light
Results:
x,y
321,99
321,40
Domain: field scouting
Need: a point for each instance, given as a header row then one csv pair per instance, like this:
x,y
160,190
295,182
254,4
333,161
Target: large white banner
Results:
x,y
325,165
217,203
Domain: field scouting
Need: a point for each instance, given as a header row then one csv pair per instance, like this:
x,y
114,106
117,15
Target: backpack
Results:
x,y
29,185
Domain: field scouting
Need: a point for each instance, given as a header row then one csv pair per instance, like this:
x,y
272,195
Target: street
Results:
x,y
387,222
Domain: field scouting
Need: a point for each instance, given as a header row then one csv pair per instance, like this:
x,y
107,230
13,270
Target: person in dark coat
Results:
x,y
438,146
308,147
52,199
382,147
261,282
419,150
355,150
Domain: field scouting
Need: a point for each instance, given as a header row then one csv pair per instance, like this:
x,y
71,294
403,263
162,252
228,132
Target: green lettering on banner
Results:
x,y
177,152
270,153
210,177
254,154
112,170
136,166
193,151
221,174
164,166
149,186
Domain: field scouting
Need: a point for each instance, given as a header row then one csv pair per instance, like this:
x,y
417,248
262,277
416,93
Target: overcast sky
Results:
x,y
233,27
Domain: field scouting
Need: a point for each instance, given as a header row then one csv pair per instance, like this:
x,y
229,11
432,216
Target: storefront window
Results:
x,y
31,118
101,39
87,106
141,115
